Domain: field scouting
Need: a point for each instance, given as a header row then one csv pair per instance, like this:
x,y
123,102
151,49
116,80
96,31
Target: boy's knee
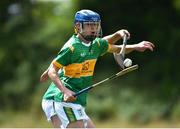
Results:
x,y
76,124
56,121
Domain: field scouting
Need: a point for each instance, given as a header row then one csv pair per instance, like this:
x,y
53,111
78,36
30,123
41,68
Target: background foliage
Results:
x,y
33,31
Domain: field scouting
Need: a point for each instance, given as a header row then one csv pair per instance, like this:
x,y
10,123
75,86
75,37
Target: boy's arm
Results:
x,y
141,47
53,75
113,38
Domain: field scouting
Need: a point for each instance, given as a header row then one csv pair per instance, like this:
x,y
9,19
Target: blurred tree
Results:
x,y
32,31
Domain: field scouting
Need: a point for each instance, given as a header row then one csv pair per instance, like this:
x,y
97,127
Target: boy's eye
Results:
x,y
92,24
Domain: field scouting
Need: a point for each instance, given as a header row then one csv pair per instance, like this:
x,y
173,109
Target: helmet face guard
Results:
x,y
93,31
89,19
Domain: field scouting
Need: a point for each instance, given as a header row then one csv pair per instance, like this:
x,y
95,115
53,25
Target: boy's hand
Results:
x,y
44,77
142,46
69,95
124,32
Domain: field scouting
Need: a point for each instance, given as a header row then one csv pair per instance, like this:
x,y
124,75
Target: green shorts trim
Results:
x,y
70,114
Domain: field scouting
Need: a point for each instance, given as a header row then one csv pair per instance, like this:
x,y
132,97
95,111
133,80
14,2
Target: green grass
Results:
x,y
22,119
30,120
153,124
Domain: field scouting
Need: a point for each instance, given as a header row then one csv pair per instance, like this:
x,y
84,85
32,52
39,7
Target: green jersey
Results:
x,y
77,61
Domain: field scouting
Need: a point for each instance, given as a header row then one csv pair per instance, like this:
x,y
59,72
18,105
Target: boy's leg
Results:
x,y
49,110
81,124
90,124
77,124
55,121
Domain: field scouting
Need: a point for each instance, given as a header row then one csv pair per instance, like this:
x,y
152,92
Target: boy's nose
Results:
x,y
92,28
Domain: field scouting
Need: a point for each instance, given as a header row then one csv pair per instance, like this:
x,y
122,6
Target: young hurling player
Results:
x,y
72,69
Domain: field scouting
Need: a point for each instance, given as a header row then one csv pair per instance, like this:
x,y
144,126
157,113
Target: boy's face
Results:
x,y
89,30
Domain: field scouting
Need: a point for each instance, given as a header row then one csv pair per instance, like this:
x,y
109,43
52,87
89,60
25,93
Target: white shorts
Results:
x,y
70,112
48,107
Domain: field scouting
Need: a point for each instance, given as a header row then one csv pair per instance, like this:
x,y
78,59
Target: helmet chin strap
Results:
x,y
89,38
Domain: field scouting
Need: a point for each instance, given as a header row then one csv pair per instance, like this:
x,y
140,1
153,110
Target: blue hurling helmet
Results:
x,y
88,16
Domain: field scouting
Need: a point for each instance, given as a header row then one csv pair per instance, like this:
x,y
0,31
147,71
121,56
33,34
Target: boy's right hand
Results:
x,y
69,95
124,32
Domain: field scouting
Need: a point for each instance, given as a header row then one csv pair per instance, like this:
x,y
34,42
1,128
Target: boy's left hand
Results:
x,y
142,46
44,77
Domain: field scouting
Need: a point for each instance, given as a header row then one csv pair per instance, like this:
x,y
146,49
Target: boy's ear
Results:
x,y
77,27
